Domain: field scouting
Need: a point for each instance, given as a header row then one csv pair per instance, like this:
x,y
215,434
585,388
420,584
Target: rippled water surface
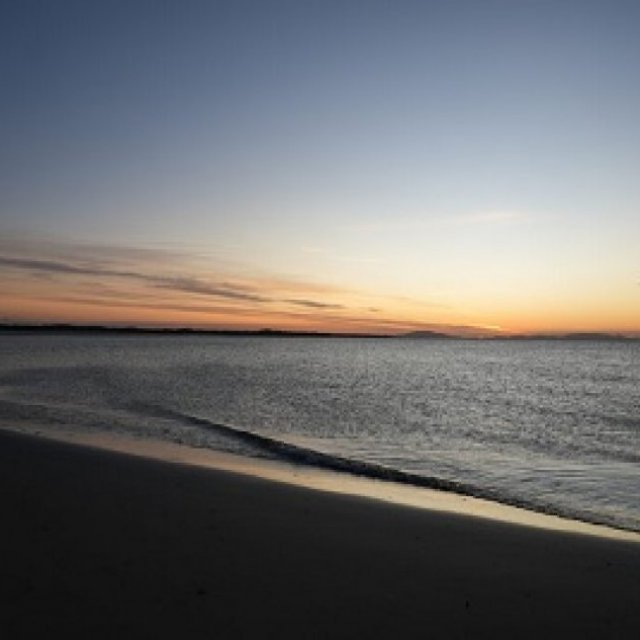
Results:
x,y
554,425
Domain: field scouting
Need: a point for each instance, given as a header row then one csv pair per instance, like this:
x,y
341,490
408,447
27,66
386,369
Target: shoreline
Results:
x,y
319,479
100,544
471,334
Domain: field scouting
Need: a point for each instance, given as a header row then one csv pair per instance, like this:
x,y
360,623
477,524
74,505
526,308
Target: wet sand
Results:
x,y
101,544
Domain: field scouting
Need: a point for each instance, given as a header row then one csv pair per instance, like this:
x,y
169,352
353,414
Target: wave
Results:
x,y
296,454
255,444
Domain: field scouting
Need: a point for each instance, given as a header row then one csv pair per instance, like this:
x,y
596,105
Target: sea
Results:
x,y
549,425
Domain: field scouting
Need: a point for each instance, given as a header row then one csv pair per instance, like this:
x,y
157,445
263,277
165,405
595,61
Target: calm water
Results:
x,y
552,425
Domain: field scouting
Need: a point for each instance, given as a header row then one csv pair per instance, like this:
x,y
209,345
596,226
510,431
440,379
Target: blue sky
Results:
x,y
478,158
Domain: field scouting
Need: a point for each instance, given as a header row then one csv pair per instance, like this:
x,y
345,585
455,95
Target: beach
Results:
x,y
102,544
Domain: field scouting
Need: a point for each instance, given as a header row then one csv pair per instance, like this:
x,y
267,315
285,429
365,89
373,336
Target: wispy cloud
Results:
x,y
131,283
184,284
90,253
314,304
490,217
201,288
329,255
391,225
145,267
54,266
429,220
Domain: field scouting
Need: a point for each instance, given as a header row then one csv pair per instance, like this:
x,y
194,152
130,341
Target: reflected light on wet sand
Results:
x,y
334,482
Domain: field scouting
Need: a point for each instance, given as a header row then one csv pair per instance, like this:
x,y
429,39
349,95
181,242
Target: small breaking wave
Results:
x,y
295,454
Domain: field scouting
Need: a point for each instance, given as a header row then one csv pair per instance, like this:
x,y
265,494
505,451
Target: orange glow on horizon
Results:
x,y
142,290
35,311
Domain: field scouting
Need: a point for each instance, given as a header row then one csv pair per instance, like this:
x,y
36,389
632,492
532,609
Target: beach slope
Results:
x,y
99,544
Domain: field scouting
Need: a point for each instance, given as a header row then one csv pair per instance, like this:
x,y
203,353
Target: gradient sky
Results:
x,y
365,166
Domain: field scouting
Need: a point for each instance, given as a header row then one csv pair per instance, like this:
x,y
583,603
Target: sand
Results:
x,y
97,544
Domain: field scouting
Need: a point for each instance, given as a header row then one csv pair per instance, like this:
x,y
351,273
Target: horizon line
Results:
x,y
275,332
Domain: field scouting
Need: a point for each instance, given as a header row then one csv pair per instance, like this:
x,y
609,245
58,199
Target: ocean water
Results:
x,y
550,425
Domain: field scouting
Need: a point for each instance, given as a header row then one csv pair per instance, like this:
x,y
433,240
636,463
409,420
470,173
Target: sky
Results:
x,y
361,166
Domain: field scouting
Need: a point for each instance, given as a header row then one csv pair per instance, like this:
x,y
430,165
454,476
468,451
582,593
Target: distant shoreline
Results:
x,y
71,328
50,328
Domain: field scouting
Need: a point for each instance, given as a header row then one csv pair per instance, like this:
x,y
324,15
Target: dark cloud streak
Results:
x,y
313,304
54,266
193,285
183,284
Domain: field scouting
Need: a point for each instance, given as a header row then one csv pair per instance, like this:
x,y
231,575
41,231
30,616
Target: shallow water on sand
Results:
x,y
552,425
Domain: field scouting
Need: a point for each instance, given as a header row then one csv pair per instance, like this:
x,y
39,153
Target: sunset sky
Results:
x,y
344,166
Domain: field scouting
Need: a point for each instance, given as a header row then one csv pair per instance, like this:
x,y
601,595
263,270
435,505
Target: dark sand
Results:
x,y
103,545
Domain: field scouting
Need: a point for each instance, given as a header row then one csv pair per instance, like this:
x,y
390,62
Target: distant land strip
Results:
x,y
90,328
276,333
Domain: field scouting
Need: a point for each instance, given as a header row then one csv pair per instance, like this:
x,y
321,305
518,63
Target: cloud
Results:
x,y
212,314
392,224
433,220
314,304
193,285
491,217
184,284
156,305
128,278
146,272
87,253
53,266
